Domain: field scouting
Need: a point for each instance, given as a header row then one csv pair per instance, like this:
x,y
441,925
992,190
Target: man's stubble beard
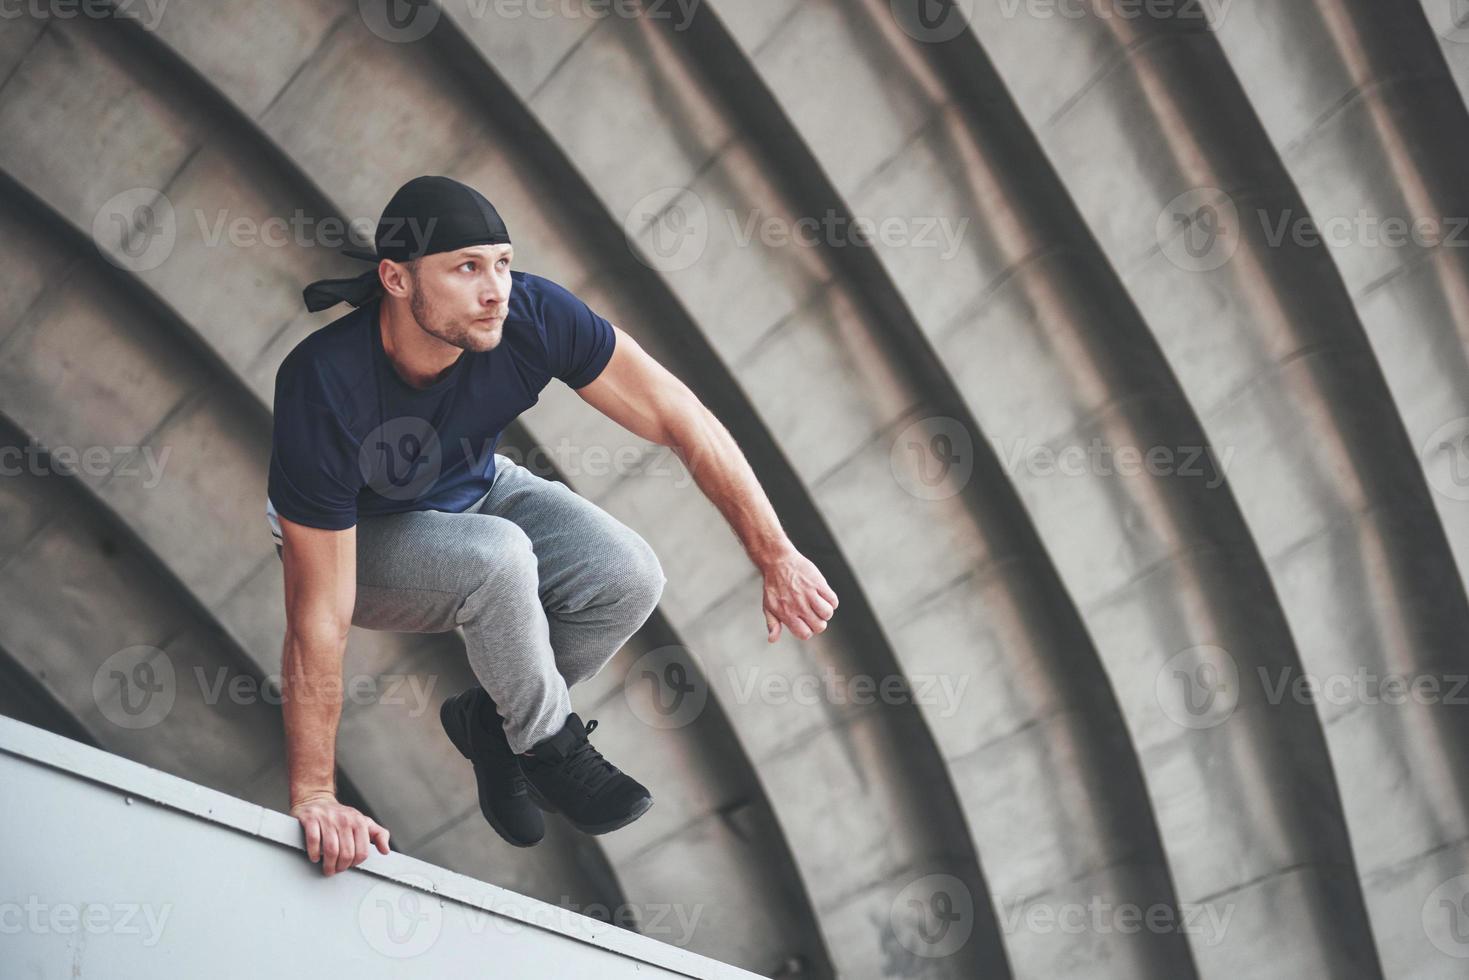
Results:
x,y
456,334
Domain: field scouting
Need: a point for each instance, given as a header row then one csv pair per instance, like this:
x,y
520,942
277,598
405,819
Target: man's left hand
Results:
x,y
797,596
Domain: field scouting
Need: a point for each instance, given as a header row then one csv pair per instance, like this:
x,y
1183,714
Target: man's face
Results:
x,y
462,297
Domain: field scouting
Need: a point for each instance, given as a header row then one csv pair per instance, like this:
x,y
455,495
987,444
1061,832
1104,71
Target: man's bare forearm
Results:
x,y
721,471
311,703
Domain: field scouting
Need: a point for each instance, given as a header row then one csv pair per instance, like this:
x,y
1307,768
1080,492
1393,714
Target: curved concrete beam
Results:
x,y
1268,346
1052,357
1357,100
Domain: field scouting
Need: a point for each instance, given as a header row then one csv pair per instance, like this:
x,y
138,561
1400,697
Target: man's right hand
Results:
x,y
336,835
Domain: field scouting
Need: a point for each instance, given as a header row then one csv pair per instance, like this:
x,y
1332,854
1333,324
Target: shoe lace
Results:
x,y
586,765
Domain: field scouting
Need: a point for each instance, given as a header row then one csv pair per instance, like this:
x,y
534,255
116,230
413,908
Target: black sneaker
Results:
x,y
475,728
567,774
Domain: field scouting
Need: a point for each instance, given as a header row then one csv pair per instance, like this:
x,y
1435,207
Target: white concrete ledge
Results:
x,y
114,869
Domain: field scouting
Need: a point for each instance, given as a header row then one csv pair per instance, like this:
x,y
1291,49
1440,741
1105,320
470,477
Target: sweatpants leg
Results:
x,y
599,580
545,585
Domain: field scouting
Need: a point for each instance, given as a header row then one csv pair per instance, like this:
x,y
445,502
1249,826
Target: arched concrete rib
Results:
x,y
771,933
153,385
1359,103
84,599
1268,347
1050,354
1006,617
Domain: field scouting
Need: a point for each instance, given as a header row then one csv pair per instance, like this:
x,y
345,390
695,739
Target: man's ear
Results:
x,y
395,276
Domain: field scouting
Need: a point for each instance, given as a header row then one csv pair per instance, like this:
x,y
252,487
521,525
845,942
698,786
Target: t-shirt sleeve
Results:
x,y
579,343
315,475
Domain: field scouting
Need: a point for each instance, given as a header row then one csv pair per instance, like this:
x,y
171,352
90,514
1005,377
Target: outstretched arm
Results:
x,y
642,396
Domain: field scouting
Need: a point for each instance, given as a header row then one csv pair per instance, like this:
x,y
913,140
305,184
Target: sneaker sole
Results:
x,y
450,718
588,828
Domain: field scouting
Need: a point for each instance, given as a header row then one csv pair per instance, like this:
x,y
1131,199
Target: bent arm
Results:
x,y
643,397
321,590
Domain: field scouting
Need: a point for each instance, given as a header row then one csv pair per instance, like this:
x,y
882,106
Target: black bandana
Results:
x,y
427,215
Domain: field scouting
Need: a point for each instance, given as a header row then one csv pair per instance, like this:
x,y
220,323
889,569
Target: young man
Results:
x,y
391,511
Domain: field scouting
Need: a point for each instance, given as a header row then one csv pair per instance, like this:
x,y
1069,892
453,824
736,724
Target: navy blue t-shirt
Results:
x,y
353,439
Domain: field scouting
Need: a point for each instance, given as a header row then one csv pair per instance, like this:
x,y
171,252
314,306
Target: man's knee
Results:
x,y
641,578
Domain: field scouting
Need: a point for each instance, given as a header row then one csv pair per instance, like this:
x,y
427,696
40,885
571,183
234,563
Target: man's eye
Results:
x,y
470,264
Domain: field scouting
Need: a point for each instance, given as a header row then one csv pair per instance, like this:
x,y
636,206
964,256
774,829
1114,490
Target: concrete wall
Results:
x,y
1107,454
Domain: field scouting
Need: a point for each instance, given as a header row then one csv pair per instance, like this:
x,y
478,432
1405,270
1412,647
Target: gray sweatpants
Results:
x,y
545,584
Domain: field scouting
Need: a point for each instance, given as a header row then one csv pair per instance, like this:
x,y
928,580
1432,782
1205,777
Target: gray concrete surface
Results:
x,y
1075,256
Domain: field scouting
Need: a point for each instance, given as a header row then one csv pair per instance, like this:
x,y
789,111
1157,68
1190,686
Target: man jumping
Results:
x,y
391,511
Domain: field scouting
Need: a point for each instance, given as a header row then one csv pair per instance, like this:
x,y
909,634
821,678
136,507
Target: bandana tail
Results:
x,y
326,293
